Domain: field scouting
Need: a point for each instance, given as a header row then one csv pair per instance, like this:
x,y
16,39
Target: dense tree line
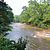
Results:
x,y
6,15
16,18
36,14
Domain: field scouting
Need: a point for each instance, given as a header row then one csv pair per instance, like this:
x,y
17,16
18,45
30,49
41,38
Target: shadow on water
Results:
x,y
34,43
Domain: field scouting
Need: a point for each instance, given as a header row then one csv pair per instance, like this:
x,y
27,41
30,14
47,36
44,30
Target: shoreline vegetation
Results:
x,y
6,17
38,16
35,14
44,33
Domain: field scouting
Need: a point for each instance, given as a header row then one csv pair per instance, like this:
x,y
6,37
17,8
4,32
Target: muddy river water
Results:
x,y
34,43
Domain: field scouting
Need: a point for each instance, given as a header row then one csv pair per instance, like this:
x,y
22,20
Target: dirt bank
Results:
x,y
44,34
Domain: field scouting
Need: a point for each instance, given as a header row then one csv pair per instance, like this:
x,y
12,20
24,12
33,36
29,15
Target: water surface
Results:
x,y
34,43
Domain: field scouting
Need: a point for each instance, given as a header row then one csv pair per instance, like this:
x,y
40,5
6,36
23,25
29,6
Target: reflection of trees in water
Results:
x,y
39,44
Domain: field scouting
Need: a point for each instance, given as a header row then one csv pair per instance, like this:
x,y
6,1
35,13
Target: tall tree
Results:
x,y
6,15
36,14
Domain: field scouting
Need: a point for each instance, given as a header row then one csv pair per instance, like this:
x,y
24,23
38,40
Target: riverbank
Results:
x,y
44,33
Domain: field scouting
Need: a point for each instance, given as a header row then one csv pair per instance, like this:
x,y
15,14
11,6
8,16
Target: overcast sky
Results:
x,y
17,5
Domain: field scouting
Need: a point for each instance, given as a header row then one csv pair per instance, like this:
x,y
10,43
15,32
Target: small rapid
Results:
x,y
34,43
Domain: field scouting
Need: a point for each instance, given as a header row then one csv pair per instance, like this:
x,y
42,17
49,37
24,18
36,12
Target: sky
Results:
x,y
17,5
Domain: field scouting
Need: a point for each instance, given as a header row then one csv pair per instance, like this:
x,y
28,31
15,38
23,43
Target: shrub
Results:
x,y
6,44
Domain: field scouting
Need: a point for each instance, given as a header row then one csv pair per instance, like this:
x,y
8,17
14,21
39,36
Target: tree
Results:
x,y
6,15
36,14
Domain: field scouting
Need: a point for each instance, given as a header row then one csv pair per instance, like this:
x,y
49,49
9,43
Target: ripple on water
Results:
x,y
34,43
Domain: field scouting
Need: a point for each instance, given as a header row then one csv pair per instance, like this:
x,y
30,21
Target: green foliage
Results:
x,y
5,34
6,44
36,14
6,16
21,45
16,18
5,28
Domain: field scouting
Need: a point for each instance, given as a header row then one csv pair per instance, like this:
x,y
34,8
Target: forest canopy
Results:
x,y
36,14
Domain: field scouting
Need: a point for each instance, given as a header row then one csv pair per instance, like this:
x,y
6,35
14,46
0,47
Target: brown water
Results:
x,y
34,43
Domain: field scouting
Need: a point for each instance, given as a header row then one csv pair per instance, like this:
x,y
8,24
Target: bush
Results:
x,y
6,44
